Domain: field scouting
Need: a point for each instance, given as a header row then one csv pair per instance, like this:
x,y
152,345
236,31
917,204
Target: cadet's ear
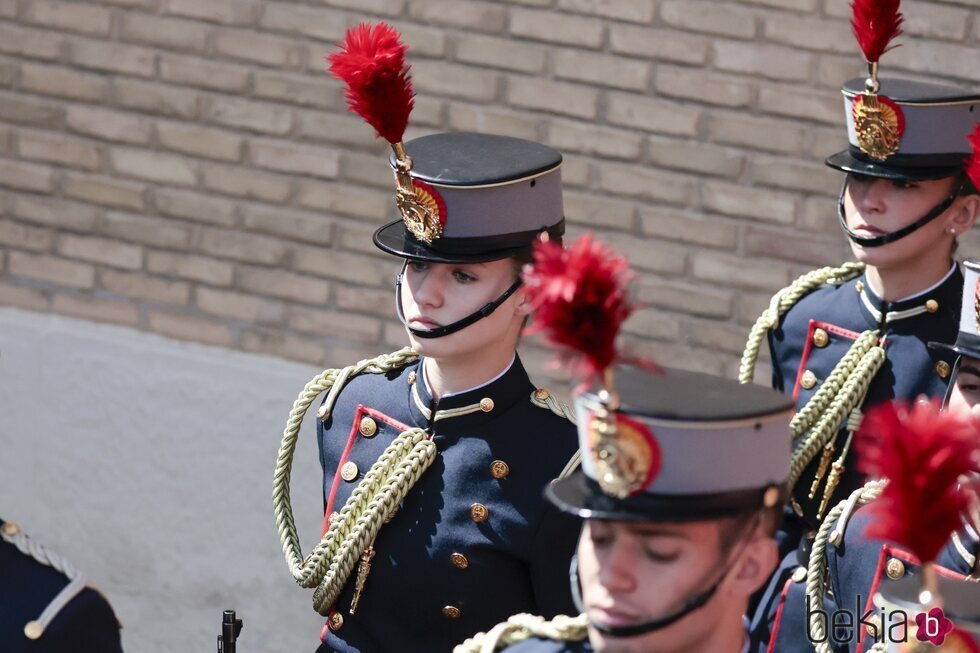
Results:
x,y
755,565
523,305
968,209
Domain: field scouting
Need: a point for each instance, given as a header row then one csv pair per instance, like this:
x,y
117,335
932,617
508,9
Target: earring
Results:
x,y
951,231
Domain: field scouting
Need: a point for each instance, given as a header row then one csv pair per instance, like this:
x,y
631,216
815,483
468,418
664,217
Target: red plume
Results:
x,y
875,23
580,301
371,61
973,163
922,452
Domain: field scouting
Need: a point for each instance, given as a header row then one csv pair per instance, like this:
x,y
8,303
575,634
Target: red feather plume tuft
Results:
x,y
371,62
922,452
875,23
973,163
580,302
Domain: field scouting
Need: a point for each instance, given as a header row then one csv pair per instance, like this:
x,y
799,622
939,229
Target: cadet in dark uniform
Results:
x,y
843,339
435,457
45,605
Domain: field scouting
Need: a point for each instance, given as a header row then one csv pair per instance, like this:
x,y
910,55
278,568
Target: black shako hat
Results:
x,y
968,339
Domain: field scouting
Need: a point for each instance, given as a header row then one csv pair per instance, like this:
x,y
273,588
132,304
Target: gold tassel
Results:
x,y
363,569
828,453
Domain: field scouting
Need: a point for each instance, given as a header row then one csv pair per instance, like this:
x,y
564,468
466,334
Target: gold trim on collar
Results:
x,y
479,407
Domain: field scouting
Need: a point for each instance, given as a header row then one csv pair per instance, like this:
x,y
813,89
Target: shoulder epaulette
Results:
x,y
525,626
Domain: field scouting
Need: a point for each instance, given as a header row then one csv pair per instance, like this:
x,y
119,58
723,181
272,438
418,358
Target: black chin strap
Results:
x,y
458,325
878,241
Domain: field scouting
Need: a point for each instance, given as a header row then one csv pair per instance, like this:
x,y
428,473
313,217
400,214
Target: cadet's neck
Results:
x,y
452,376
897,283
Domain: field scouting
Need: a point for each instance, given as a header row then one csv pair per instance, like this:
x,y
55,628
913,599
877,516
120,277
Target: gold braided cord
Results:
x,y
525,626
816,577
382,488
781,302
555,406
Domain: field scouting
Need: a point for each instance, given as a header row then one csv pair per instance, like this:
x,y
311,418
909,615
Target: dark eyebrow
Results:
x,y
648,529
969,370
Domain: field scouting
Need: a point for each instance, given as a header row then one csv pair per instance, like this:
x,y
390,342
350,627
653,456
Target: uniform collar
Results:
x,y
929,300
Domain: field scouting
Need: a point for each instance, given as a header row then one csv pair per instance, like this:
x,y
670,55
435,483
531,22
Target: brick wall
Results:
x,y
186,166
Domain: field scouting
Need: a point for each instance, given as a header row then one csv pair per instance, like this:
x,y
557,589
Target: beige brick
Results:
x,y
690,228
23,236
793,5
95,309
344,199
147,230
23,42
359,300
645,183
8,73
283,156
649,323
482,16
24,297
353,328
602,70
304,90
832,72
744,201
810,34
686,298
456,81
566,99
658,44
789,245
283,284
678,356
192,71
764,133
576,172
205,142
6,140
59,149
637,11
740,272
370,170
231,12
194,268
821,107
17,174
492,120
54,212
715,336
824,141
384,7
343,265
772,61
113,57
103,190
794,175
242,247
293,225
140,286
568,136
695,157
323,24
153,166
69,16
63,82
274,343
937,21
343,129
708,17
185,327
551,27
652,115
239,306
259,48
101,250
595,211
245,183
25,111
8,8
424,41
155,98
108,124
501,53
51,269
934,58
695,85
648,255
143,4
163,32
245,114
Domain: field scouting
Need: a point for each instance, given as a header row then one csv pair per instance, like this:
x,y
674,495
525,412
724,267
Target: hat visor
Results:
x,y
579,495
395,239
847,162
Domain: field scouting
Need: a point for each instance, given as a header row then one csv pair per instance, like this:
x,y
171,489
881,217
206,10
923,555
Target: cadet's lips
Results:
x,y
869,230
423,322
613,616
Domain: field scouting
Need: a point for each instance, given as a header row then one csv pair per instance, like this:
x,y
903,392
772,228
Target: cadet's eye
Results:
x,y
463,277
418,266
855,178
904,184
663,557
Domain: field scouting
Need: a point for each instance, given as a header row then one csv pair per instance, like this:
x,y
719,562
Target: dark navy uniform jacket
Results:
x,y
474,541
86,624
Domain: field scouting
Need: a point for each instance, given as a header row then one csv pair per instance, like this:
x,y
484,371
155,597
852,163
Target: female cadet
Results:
x,y
435,458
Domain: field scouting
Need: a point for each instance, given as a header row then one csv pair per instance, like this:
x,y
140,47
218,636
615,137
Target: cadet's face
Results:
x,y
965,394
874,207
437,294
635,572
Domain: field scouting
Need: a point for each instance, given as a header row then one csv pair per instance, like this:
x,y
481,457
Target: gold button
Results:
x,y
499,469
459,560
336,621
411,377
808,380
859,286
799,575
368,427
479,512
541,394
33,630
942,369
895,568
932,305
820,338
451,611
486,404
10,528
349,471
874,626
